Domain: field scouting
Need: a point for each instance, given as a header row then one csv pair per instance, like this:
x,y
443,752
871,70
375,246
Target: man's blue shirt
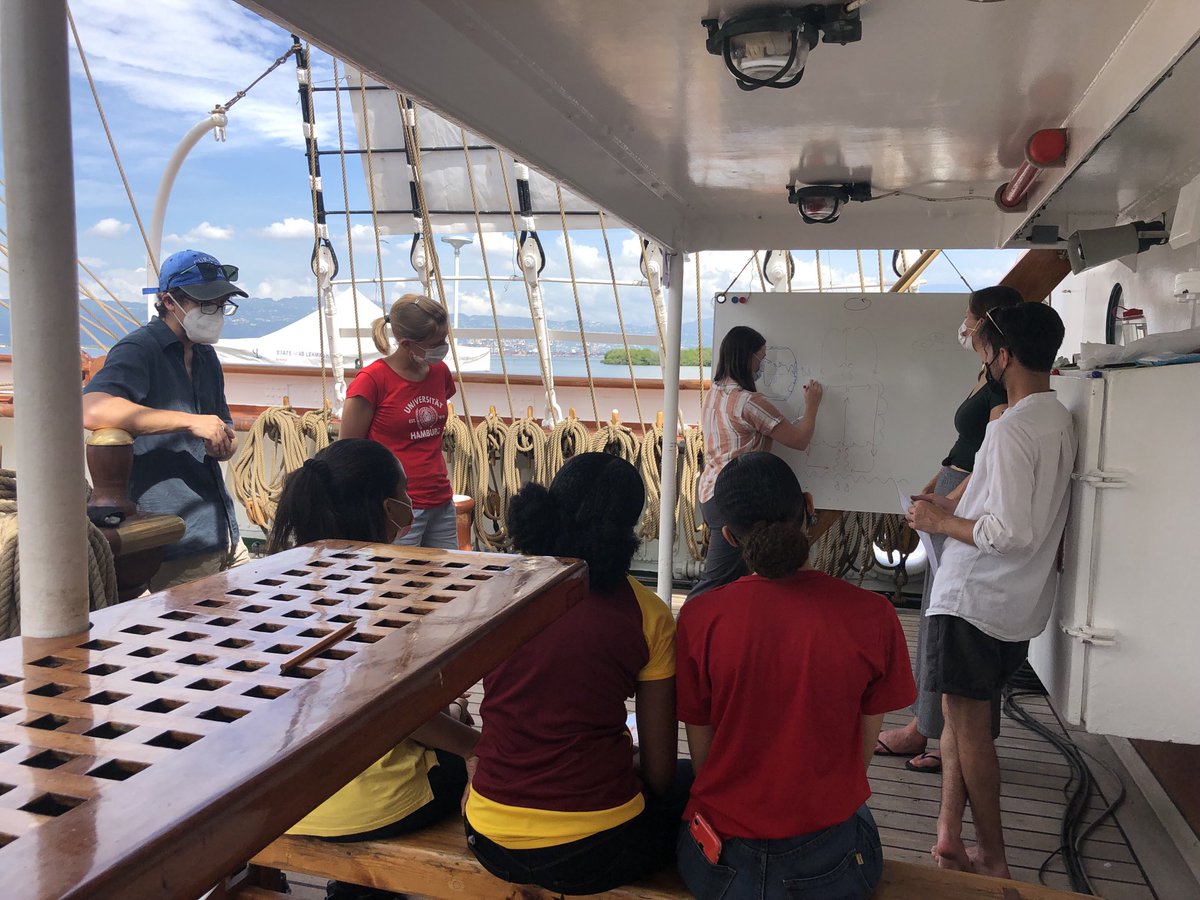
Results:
x,y
171,473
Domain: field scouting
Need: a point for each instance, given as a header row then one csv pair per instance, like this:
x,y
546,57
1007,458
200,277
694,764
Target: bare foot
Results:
x,y
906,741
951,854
981,865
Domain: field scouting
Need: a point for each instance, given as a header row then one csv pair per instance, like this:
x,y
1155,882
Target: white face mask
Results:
x,y
964,336
436,354
201,328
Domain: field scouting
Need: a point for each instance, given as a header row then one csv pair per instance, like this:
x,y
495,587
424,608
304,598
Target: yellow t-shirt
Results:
x,y
522,827
394,786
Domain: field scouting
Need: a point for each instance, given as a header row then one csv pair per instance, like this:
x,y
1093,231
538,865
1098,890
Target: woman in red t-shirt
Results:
x,y
783,678
400,401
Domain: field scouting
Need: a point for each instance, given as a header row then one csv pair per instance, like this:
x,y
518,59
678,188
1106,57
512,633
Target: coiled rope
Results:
x,y
650,465
617,439
491,505
102,572
526,443
459,447
569,438
691,522
288,439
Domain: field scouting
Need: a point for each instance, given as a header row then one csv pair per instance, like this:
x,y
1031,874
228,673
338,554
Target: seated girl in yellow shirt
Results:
x,y
356,490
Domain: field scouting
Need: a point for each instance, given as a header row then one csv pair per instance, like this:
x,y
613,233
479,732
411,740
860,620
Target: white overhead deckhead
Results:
x,y
621,102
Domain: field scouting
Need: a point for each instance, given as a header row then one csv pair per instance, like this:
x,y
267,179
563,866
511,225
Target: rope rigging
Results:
x,y
491,458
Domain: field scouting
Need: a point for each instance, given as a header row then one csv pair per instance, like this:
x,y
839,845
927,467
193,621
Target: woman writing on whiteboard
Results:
x,y
984,404
737,419
400,401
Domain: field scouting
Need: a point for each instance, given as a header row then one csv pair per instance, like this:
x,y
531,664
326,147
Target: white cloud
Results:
x,y
279,286
206,231
227,48
109,228
289,229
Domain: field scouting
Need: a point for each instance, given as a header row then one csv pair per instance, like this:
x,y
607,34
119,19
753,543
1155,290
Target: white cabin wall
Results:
x,y
1147,280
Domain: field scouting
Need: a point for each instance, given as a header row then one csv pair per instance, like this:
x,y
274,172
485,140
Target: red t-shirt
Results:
x,y
410,417
784,670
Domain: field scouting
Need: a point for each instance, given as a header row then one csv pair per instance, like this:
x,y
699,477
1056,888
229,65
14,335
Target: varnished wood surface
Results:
x,y
153,755
1037,273
436,863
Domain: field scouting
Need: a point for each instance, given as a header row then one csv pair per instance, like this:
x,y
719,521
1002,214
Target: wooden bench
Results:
x,y
436,863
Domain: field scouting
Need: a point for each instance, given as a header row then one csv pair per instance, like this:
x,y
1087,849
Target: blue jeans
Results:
x,y
842,862
434,527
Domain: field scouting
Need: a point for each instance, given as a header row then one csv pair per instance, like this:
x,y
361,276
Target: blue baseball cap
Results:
x,y
199,275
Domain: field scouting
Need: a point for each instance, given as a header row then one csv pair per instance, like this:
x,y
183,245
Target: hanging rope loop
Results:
x,y
491,435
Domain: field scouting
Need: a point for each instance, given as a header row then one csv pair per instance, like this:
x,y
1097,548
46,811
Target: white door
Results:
x,y
1058,657
1146,583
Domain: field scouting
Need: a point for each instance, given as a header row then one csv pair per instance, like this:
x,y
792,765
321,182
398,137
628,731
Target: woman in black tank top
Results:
x,y
982,405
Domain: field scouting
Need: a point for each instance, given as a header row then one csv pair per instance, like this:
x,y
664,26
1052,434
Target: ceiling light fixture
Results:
x,y
769,48
821,204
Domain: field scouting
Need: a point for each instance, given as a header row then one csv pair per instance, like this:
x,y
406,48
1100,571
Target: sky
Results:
x,y
246,200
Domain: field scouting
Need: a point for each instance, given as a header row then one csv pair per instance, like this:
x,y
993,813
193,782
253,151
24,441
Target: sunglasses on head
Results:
x,y
995,324
209,272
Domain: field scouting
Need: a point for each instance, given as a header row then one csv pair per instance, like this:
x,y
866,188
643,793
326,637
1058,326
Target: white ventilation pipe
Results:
x,y
214,122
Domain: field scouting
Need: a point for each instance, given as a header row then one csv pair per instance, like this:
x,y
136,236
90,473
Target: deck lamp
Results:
x,y
769,48
821,204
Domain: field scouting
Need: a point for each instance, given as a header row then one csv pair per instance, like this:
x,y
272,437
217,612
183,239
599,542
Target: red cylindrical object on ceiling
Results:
x,y
1044,148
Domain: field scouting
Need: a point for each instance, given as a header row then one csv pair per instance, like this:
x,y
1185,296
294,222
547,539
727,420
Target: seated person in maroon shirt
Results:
x,y
783,680
556,799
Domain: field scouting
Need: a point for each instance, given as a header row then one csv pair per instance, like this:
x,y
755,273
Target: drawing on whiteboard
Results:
x,y
851,422
780,374
936,343
857,304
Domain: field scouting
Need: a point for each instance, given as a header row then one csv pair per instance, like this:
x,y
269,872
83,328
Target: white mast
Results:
x,y
39,175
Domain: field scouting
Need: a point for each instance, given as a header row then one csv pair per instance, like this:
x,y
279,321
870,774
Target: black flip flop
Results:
x,y
887,751
929,770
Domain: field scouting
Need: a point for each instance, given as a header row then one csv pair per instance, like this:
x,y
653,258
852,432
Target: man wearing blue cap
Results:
x,y
163,384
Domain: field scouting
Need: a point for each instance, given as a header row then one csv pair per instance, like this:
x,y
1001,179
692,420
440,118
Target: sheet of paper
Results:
x,y
926,541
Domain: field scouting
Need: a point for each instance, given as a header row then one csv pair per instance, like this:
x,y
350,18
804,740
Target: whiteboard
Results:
x,y
893,373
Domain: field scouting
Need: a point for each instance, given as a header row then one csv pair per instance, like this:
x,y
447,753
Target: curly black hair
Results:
x,y
588,512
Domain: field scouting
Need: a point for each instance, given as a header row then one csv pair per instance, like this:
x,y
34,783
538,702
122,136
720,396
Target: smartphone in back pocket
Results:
x,y
707,839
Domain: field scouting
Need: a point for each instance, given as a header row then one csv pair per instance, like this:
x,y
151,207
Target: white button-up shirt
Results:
x,y
1004,583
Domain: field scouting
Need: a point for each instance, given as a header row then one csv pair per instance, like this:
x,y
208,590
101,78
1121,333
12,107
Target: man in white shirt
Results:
x,y
995,585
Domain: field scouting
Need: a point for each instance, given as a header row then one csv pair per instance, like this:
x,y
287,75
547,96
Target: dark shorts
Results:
x,y
965,662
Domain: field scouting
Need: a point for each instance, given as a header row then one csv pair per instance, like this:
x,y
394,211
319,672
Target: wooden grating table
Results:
x,y
186,731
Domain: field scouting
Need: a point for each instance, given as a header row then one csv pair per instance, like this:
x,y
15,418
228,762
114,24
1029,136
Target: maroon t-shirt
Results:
x,y
784,670
554,714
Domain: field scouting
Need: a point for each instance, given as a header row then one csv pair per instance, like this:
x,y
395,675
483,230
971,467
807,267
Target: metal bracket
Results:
x,y
1099,479
1086,634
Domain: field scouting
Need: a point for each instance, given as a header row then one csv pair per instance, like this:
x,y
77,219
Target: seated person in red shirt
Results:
x,y
783,679
557,799
356,490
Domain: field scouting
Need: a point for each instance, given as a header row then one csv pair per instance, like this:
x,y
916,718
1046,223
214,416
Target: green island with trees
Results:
x,y
644,356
